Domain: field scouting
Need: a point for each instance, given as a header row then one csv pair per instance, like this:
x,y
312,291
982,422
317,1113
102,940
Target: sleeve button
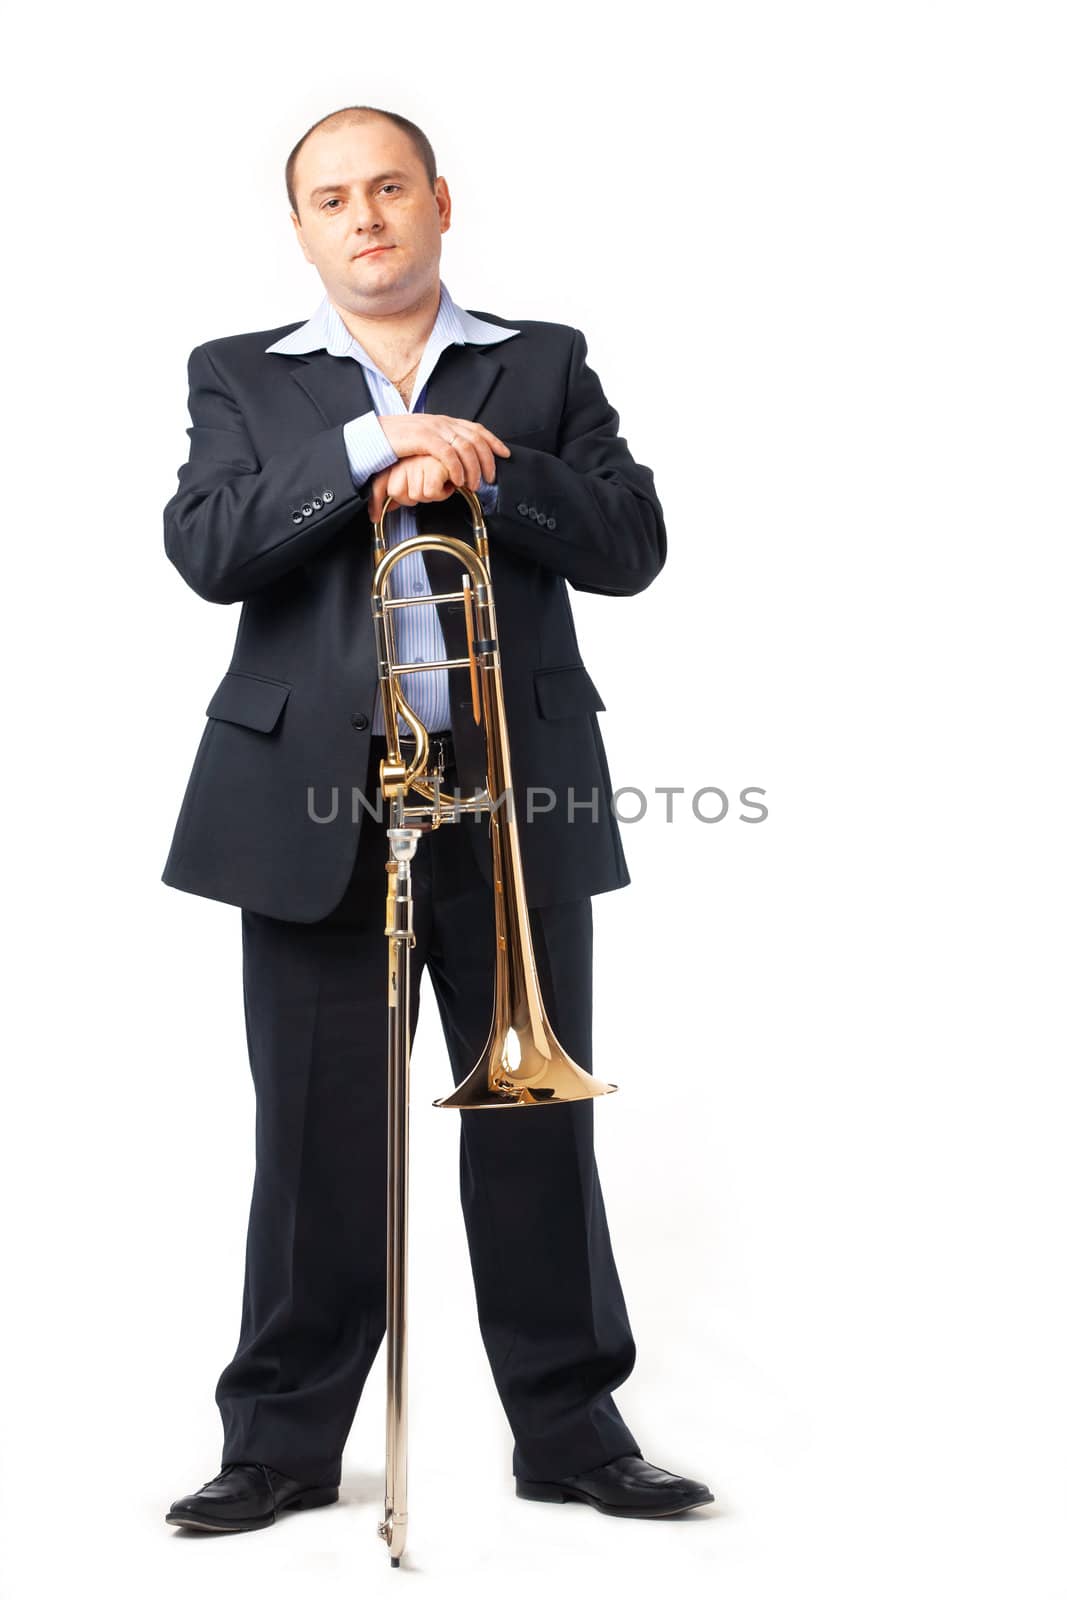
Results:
x,y
551,523
327,496
522,508
358,720
307,508
298,516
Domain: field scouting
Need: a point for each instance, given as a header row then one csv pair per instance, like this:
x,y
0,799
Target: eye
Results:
x,y
390,186
334,201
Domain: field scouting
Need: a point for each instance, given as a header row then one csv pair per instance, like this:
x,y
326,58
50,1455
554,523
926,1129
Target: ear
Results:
x,y
295,220
444,204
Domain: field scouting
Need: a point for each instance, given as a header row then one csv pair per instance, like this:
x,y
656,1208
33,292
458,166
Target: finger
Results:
x,y
473,465
479,431
384,489
438,485
487,443
410,475
393,490
479,463
436,443
453,462
496,444
486,461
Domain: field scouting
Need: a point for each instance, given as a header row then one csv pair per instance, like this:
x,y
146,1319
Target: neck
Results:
x,y
394,339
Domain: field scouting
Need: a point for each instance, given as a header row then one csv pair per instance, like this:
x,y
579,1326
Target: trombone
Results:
x,y
523,1063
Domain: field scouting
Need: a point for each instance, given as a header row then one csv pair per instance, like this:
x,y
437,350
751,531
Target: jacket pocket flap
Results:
x,y
253,702
566,692
518,430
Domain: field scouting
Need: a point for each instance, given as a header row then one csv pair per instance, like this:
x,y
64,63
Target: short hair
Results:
x,y
356,114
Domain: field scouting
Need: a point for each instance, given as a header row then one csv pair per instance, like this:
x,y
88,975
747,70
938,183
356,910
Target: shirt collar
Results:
x,y
325,330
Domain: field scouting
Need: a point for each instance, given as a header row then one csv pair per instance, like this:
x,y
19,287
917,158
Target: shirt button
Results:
x,y
418,588
358,720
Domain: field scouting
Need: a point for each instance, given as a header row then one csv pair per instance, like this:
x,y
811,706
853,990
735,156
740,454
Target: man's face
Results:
x,y
362,188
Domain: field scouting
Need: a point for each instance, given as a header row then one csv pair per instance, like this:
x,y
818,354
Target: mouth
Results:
x,y
375,250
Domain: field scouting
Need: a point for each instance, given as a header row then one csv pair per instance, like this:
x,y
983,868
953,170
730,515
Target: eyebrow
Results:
x,y
328,188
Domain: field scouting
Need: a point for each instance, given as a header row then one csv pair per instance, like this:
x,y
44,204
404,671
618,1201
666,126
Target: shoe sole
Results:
x,y
303,1502
557,1495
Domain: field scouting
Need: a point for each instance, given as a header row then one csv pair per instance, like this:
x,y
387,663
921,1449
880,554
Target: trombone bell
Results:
x,y
537,1077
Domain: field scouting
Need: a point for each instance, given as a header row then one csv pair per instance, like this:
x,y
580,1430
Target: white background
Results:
x,y
818,255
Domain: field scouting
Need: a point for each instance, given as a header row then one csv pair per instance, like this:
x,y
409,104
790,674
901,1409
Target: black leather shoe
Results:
x,y
246,1495
629,1486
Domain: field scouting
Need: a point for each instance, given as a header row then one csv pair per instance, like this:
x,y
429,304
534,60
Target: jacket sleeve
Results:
x,y
237,524
590,511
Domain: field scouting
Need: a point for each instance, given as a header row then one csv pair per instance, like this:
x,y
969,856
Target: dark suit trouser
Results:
x,y
550,1305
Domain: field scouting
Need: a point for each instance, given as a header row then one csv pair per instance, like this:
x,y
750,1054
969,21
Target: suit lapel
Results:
x,y
459,385
335,386
462,380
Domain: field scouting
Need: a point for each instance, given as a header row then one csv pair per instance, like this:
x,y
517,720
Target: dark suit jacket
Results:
x,y
266,513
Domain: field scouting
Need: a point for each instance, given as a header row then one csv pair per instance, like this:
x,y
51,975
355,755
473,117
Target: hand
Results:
x,y
466,450
410,482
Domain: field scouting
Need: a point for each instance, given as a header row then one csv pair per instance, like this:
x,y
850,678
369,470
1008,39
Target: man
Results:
x,y
298,436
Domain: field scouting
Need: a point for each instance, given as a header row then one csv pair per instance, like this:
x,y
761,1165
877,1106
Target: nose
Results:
x,y
365,218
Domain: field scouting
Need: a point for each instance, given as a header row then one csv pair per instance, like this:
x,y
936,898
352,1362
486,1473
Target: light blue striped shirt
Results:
x,y
418,630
